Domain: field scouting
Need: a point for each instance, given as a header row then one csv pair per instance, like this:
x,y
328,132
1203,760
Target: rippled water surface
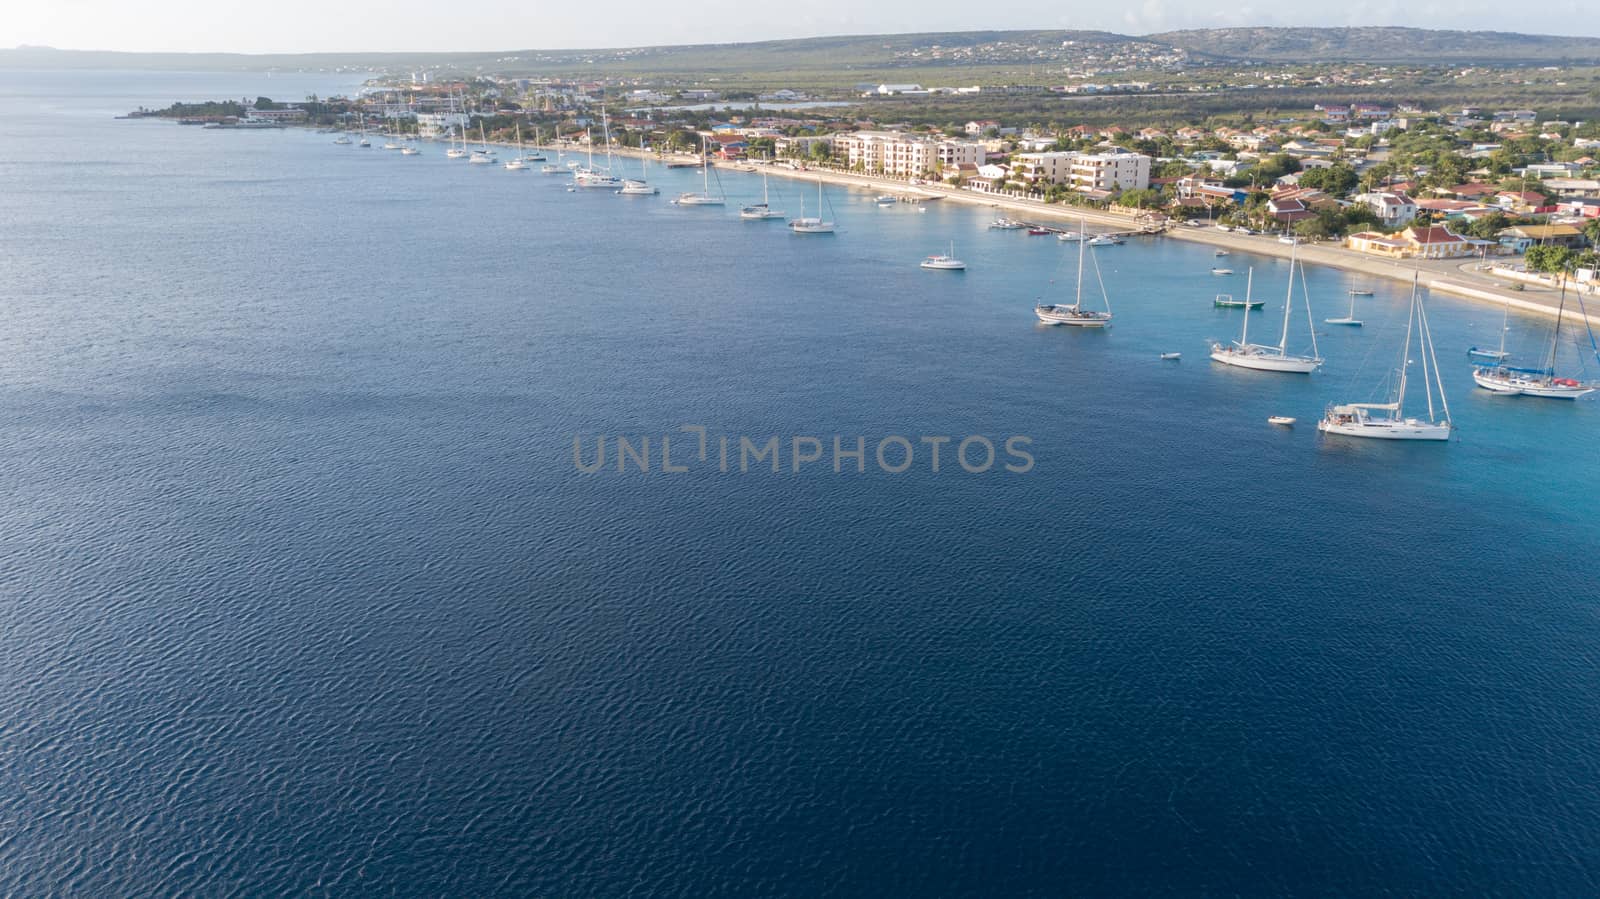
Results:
x,y
301,593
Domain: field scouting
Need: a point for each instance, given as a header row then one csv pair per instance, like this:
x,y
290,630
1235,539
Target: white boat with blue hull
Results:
x,y
1542,382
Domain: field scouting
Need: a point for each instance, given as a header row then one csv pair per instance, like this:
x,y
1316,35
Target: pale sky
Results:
x,y
289,26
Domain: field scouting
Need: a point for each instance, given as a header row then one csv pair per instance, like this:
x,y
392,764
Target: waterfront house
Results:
x,y
1519,238
1432,242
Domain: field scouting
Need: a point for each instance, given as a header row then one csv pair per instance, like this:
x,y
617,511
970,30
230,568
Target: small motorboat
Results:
x,y
1222,271
1492,355
1282,420
1220,253
1172,356
1038,231
1357,292
887,200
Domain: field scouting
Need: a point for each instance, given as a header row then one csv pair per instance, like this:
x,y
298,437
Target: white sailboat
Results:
x,y
482,156
343,139
1541,382
516,163
945,263
393,143
1349,319
762,211
640,187
588,175
559,167
704,197
1244,354
1075,314
1362,420
812,224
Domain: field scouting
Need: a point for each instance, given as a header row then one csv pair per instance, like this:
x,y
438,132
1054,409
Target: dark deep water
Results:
x,y
301,593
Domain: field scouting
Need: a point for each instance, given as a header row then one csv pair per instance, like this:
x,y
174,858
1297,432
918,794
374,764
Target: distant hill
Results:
x,y
1175,49
1379,45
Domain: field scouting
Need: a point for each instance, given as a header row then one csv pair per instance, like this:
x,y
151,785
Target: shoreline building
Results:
x,y
903,155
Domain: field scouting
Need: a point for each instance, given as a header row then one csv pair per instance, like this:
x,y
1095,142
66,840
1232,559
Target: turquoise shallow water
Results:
x,y
300,591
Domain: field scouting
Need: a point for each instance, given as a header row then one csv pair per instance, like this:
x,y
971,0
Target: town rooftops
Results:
x,y
1434,234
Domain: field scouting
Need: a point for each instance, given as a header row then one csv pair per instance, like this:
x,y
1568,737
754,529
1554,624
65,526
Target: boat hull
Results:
x,y
1054,316
1265,362
1383,429
1529,387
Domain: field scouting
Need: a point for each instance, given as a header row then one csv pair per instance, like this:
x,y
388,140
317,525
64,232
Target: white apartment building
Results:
x,y
1111,172
1084,171
1048,168
904,155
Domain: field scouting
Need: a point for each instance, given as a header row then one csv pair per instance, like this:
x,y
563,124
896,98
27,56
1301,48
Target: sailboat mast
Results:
x,y
1555,339
1077,301
1288,303
1427,337
1405,355
1505,325
1249,278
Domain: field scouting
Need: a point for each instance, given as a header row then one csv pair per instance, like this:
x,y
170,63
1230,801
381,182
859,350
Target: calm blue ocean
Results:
x,y
302,594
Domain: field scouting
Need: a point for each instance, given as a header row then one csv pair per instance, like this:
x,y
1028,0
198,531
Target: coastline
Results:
x,y
1457,277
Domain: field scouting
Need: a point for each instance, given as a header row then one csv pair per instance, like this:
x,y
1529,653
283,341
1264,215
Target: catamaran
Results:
x,y
1226,300
816,225
1542,382
1358,420
762,211
1244,354
945,263
704,197
1076,315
